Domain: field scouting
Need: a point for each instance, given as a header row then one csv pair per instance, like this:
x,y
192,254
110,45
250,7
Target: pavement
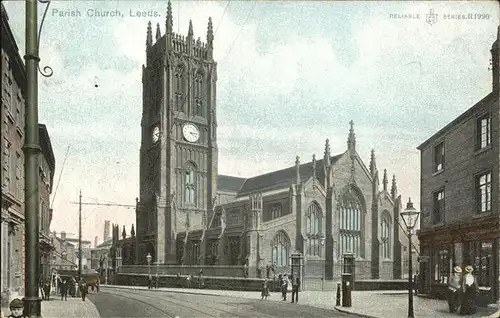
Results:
x,y
371,304
73,307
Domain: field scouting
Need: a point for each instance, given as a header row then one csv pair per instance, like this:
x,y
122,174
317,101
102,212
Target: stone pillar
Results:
x,y
253,235
396,246
160,230
328,235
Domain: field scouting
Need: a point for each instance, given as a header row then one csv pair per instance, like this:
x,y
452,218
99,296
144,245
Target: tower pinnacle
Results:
x,y
351,140
169,23
149,35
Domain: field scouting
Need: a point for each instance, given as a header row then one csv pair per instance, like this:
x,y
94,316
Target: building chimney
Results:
x,y
107,228
96,241
63,235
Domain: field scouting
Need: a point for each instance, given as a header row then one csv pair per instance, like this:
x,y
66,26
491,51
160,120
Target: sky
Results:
x,y
290,75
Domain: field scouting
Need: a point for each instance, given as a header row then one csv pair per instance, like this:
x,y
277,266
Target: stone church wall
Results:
x,y
386,267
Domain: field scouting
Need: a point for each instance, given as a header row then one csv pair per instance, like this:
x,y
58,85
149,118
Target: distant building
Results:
x,y
86,248
460,201
64,253
47,169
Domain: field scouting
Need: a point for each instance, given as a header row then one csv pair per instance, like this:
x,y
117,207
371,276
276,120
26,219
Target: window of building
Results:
x,y
195,252
233,217
483,132
481,258
483,188
179,88
438,206
442,264
280,248
350,226
439,157
190,184
385,236
233,249
313,229
18,181
6,165
275,212
199,94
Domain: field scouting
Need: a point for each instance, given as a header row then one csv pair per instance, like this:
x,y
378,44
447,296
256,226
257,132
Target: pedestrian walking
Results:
x,y
200,278
157,281
64,290
83,288
295,288
150,281
265,289
284,286
454,289
470,291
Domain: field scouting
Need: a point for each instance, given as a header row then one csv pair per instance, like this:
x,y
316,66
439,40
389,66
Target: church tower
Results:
x,y
178,154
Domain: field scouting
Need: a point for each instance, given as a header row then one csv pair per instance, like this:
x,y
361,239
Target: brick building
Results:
x,y
188,214
47,164
460,221
64,254
13,106
12,219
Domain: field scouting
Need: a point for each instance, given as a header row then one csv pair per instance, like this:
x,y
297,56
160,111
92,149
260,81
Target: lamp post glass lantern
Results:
x,y
410,217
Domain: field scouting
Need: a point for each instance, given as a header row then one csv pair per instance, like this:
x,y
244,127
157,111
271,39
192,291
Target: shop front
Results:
x,y
476,244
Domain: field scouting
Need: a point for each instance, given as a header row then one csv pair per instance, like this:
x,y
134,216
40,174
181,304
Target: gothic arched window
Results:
x,y
179,88
385,236
280,248
190,184
198,93
350,225
313,229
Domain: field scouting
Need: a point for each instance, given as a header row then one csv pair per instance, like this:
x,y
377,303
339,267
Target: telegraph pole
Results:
x,y
31,148
80,237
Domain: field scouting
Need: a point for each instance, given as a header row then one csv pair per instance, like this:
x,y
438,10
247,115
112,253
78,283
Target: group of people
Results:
x,y
286,283
462,291
153,281
65,285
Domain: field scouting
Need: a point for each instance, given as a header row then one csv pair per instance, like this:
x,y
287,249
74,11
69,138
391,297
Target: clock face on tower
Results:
x,y
156,134
191,132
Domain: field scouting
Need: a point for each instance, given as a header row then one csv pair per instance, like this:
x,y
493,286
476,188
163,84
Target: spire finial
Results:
x,y
190,30
149,35
170,22
373,163
314,167
297,167
394,188
327,152
158,32
351,140
385,180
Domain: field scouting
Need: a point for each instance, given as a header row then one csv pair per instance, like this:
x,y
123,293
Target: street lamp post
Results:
x,y
410,217
149,258
31,149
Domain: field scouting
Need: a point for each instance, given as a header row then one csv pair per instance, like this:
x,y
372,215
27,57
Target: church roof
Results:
x,y
284,178
229,183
